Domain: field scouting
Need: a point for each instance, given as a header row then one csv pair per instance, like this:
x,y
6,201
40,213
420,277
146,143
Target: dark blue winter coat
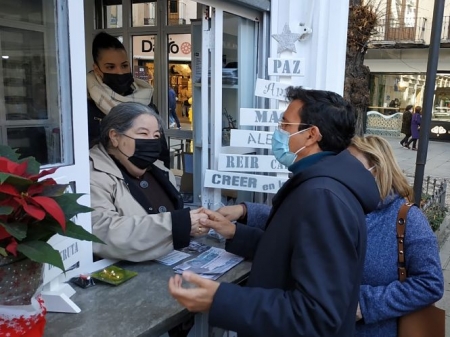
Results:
x,y
308,261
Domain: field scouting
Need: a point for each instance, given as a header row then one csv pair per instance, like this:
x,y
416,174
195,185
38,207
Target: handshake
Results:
x,y
202,220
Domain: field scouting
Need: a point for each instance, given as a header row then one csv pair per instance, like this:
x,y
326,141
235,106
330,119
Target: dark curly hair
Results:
x,y
334,116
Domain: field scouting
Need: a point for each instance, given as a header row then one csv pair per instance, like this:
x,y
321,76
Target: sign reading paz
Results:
x,y
250,163
259,117
250,138
243,182
286,67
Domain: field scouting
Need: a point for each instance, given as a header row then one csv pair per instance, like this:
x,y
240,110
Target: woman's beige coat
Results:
x,y
130,233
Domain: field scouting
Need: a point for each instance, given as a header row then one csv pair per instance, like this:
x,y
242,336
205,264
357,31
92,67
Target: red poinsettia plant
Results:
x,y
33,208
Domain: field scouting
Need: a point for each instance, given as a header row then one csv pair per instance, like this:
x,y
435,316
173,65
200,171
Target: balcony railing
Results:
x,y
401,30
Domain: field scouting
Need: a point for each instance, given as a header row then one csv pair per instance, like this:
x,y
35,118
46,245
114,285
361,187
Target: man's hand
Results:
x,y
197,299
232,213
219,223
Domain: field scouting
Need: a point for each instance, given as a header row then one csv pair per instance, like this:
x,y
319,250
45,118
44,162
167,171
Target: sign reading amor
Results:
x,y
259,117
250,138
250,163
286,67
270,89
243,182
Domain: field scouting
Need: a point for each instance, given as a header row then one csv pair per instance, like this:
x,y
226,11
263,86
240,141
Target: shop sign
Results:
x,y
250,163
178,47
250,138
243,182
259,117
271,89
286,67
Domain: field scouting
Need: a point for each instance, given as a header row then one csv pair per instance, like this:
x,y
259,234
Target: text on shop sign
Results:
x,y
249,138
286,67
250,163
259,117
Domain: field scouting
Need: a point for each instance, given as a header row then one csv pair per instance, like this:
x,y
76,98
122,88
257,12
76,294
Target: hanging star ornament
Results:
x,y
286,40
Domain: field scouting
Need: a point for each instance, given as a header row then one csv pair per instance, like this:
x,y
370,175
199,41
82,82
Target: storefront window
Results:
x,y
22,10
180,12
144,57
30,117
109,14
144,13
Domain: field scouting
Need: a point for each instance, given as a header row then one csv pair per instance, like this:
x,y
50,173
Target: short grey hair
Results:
x,y
121,118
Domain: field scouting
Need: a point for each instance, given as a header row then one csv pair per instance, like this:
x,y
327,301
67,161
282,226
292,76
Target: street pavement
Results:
x,y
437,166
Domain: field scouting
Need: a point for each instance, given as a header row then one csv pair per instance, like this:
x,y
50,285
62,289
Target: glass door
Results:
x,y
225,71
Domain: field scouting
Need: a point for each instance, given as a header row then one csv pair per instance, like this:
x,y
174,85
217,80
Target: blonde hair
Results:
x,y
388,174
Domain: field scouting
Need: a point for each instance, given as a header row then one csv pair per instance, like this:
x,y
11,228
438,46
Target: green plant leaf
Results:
x,y
16,229
33,166
3,251
6,210
39,231
42,252
54,190
75,231
7,152
70,206
12,179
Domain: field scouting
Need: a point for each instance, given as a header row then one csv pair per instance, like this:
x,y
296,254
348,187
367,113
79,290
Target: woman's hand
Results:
x,y
233,213
219,223
196,228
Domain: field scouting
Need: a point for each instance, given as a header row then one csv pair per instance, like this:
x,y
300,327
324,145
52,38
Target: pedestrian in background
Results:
x,y
383,298
173,108
406,124
415,127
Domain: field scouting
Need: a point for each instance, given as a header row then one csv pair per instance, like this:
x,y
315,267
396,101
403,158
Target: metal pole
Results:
x,y
433,57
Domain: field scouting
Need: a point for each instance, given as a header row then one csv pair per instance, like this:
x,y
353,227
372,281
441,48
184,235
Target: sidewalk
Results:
x,y
437,166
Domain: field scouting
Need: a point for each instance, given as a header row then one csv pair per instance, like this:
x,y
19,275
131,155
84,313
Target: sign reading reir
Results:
x,y
250,163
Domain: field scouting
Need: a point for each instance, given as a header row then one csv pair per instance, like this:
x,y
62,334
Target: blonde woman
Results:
x,y
383,298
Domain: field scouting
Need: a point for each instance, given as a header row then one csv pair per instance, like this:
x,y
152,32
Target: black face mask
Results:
x,y
146,152
119,83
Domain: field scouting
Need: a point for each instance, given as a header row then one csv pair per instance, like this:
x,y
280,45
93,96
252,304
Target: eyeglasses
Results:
x,y
283,125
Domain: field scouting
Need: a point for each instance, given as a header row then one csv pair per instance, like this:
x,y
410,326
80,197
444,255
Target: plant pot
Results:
x,y
20,278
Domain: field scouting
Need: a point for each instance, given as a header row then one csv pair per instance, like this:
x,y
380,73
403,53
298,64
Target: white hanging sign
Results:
x,y
286,67
270,89
259,117
250,138
250,163
243,182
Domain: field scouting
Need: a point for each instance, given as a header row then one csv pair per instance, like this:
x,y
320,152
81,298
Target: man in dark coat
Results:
x,y
406,125
308,262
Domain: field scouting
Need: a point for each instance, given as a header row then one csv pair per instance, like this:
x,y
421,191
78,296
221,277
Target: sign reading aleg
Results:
x,y
243,182
250,138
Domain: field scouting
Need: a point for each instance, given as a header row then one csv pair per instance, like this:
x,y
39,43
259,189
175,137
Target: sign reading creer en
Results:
x,y
243,182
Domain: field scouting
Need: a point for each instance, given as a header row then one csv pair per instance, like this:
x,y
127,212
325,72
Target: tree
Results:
x,y
362,21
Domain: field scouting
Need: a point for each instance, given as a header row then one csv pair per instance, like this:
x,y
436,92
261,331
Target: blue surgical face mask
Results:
x,y
280,146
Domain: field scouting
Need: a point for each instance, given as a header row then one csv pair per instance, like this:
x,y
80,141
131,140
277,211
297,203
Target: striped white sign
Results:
x,y
250,138
243,182
260,117
250,163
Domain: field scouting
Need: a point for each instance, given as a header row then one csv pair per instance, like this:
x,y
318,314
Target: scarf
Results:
x,y
105,98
